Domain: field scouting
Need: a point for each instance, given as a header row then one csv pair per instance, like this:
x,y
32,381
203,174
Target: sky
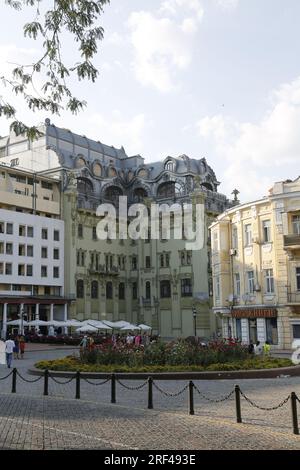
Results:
x,y
218,79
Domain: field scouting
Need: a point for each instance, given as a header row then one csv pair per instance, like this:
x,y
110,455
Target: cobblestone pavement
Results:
x,y
30,421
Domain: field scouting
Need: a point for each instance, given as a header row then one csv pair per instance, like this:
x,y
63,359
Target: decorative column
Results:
x,y
4,322
51,328
37,315
65,318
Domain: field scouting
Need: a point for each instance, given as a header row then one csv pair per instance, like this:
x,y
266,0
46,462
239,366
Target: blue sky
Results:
x,y
209,78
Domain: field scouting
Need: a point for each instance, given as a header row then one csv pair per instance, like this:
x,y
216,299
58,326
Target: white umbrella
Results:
x,y
73,323
38,323
101,326
119,324
130,327
86,328
17,322
145,327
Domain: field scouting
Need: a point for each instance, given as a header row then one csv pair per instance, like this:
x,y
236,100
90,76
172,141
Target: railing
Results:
x,y
291,240
102,269
293,297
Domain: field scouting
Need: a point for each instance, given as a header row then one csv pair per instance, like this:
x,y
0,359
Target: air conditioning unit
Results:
x,y
232,252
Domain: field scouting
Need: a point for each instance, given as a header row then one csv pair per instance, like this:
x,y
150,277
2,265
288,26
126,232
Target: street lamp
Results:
x,y
21,315
195,317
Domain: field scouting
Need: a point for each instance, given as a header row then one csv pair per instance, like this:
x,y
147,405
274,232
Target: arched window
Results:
x,y
139,194
170,166
109,290
112,193
94,290
208,186
84,186
148,290
169,189
80,289
97,169
112,172
80,162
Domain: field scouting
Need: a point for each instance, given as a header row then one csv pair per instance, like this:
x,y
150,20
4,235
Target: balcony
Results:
x,y
293,298
104,270
291,242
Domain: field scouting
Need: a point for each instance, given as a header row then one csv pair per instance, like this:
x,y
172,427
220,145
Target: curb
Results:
x,y
293,371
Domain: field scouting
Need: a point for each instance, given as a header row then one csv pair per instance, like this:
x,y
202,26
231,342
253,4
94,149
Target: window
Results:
x,y
9,248
296,331
80,289
296,224
94,233
109,290
134,290
55,253
167,261
298,278
21,250
56,272
271,330
1,268
44,252
1,227
148,262
134,263
56,235
186,288
217,287
148,290
82,258
30,250
22,231
21,270
170,166
165,289
248,234
44,271
250,275
30,232
94,290
122,291
237,284
1,247
188,257
266,230
162,261
46,185
29,270
80,231
182,257
8,269
234,240
44,233
269,281
9,229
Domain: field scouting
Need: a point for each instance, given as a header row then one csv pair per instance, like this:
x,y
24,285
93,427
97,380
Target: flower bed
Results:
x,y
176,356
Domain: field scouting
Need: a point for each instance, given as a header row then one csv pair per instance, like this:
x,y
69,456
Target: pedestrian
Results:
x,y
9,348
257,348
16,347
22,345
267,349
251,348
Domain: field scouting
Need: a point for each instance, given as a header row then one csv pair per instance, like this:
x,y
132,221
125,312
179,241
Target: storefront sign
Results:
x,y
255,313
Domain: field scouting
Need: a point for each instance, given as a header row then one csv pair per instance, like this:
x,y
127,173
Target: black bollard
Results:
x,y
77,385
14,381
294,412
191,398
113,388
46,380
150,393
238,404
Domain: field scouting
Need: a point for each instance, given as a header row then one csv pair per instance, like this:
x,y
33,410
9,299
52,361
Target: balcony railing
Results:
x,y
103,269
291,241
294,297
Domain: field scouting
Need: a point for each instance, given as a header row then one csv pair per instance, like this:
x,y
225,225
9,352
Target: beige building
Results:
x,y
256,268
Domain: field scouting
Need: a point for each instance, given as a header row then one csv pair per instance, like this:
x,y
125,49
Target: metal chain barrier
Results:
x,y
59,382
3,378
93,383
252,403
297,398
169,394
213,400
29,381
138,387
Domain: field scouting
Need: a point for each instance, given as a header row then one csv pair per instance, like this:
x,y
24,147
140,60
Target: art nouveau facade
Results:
x,y
152,281
256,268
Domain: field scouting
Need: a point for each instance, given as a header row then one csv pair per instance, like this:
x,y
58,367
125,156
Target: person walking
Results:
x,y
16,347
22,346
9,348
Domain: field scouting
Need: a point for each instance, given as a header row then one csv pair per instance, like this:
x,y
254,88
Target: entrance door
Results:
x,y
252,330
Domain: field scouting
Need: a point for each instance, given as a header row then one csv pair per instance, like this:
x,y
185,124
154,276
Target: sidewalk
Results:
x,y
47,347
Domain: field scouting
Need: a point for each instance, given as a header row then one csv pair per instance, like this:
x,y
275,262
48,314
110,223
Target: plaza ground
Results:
x,y
28,420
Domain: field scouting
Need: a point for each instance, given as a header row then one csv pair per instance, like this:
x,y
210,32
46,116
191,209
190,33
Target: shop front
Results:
x,y
255,324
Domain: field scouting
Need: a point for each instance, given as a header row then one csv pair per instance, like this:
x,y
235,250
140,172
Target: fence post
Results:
x,y
46,380
238,404
14,381
150,393
113,388
77,384
191,397
294,412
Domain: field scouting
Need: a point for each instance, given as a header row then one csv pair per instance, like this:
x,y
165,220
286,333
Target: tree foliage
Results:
x,y
79,18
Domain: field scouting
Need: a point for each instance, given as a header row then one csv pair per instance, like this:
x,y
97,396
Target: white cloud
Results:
x,y
163,42
270,146
228,4
114,38
117,130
